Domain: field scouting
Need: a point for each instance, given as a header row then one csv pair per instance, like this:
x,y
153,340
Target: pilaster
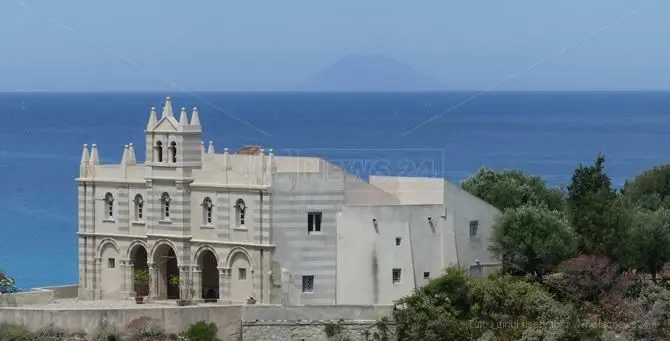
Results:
x,y
153,282
185,283
224,285
197,283
128,289
97,287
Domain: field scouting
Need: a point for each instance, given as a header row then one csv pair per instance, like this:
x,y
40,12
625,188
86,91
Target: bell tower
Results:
x,y
173,144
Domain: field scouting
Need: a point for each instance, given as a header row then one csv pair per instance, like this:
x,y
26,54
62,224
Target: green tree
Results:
x,y
533,239
512,189
596,213
650,189
649,241
7,284
499,307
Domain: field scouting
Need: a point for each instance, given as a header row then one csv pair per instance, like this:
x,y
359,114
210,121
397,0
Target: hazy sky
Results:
x,y
69,45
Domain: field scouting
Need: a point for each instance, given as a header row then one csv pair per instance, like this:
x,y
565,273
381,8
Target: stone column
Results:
x,y
197,283
184,283
153,281
97,288
224,285
130,278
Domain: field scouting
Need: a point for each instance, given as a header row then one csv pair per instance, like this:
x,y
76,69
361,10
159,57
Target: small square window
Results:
x,y
426,275
396,275
111,263
397,241
307,283
474,228
313,222
242,274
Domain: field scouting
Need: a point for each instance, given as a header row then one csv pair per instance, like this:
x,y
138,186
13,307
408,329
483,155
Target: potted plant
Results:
x,y
176,280
141,278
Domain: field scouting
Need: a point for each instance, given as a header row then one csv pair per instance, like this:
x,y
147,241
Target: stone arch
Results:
x,y
241,275
166,261
111,276
139,255
203,248
208,262
104,243
234,252
133,245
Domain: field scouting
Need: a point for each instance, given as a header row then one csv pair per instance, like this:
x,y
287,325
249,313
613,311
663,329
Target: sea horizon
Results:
x,y
545,133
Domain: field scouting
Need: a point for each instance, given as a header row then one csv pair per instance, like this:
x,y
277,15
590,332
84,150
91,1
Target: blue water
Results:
x,y
543,133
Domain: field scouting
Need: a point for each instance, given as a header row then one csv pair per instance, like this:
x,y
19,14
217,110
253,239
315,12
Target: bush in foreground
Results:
x,y
202,331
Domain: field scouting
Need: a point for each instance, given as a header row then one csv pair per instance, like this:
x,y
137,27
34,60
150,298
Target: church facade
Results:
x,y
249,224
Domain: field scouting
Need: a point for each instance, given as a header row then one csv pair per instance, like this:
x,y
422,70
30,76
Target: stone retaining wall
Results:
x,y
306,330
36,296
176,319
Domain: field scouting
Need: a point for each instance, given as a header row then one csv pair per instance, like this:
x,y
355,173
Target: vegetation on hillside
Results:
x,y
584,263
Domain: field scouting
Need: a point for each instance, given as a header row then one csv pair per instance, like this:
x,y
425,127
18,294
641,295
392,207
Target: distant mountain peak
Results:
x,y
375,72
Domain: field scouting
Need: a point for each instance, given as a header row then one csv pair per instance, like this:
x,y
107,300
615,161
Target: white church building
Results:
x,y
281,229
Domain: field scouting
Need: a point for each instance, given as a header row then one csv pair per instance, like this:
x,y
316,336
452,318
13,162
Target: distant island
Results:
x,y
371,73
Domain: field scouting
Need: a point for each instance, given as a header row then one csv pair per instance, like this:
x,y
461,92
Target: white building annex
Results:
x,y
280,229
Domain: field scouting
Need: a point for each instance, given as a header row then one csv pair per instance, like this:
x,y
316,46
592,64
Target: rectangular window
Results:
x,y
307,283
111,263
242,274
396,275
397,241
474,228
139,211
426,275
313,222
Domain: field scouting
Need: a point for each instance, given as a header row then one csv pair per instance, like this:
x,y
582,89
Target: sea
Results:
x,y
448,134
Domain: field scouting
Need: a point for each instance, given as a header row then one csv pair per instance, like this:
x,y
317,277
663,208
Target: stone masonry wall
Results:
x,y
307,330
173,319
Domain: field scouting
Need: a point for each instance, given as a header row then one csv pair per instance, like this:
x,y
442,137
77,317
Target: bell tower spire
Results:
x,y
167,108
152,119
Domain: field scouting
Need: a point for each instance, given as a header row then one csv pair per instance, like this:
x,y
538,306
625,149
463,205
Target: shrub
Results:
x,y
13,332
588,278
51,333
106,333
144,328
202,331
651,311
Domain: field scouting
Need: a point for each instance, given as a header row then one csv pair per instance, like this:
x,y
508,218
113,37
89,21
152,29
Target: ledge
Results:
x,y
165,221
266,188
207,227
138,222
109,220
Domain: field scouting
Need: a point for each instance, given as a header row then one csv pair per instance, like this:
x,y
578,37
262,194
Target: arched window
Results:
x,y
173,151
240,212
139,207
109,205
165,206
207,210
159,151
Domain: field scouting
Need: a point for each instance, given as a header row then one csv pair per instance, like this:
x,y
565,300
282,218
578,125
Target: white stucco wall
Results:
x,y
463,207
366,256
